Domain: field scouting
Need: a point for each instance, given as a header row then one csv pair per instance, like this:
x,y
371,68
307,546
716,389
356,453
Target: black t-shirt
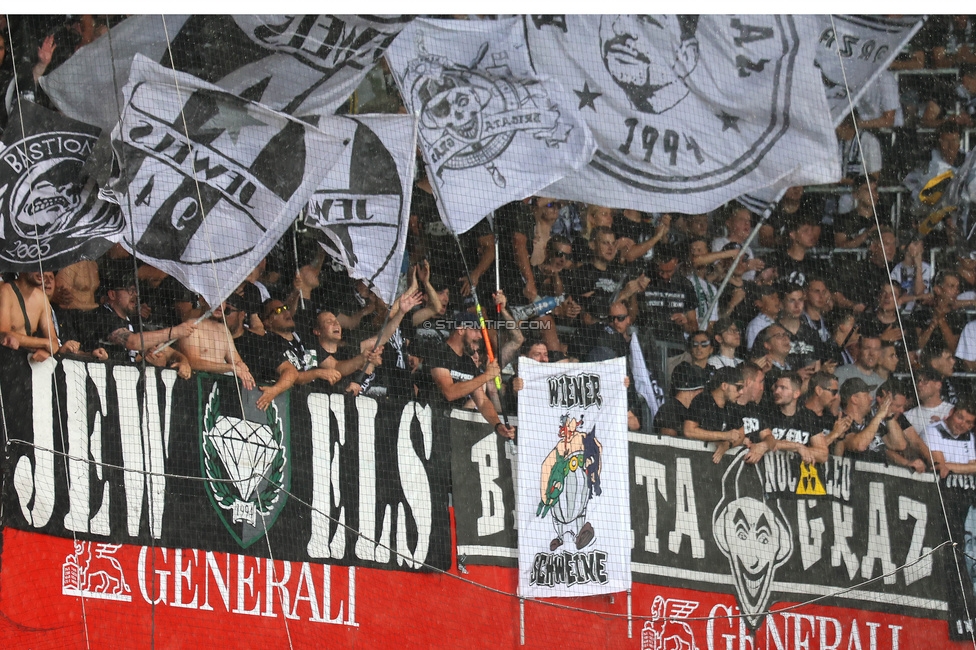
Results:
x,y
662,299
162,300
823,423
295,352
875,453
98,325
636,231
922,317
587,279
671,416
860,281
707,414
461,367
262,355
754,419
793,271
799,427
805,347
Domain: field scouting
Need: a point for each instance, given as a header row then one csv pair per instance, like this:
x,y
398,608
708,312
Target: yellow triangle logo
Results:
x,y
809,483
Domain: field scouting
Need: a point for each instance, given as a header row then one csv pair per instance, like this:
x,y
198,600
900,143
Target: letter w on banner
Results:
x,y
689,111
490,129
207,209
573,479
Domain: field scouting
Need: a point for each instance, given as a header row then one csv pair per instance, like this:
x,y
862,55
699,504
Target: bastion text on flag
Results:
x,y
572,485
689,111
210,181
51,213
287,62
491,131
361,211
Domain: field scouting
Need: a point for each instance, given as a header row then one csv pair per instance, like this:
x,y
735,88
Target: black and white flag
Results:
x,y
286,62
853,50
208,207
689,111
51,213
491,131
362,209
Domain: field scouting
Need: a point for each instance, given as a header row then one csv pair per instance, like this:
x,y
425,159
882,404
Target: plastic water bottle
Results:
x,y
540,307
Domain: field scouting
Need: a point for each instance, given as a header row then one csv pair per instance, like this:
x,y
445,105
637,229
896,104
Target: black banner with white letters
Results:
x,y
107,452
765,533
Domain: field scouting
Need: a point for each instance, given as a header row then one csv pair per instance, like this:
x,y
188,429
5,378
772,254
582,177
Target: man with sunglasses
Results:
x,y
288,345
931,407
713,416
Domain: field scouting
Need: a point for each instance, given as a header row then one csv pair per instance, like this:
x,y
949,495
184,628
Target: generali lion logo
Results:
x,y
666,631
93,571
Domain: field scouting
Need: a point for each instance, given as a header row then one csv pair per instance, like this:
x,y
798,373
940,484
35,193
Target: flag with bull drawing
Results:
x,y
689,111
852,51
490,129
287,62
361,211
51,213
573,479
208,181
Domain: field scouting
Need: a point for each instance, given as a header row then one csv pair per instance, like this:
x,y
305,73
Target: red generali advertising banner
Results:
x,y
142,510
55,592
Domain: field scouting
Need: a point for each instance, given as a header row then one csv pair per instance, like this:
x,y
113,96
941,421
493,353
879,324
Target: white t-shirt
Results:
x,y
879,98
955,450
966,350
921,416
756,325
904,276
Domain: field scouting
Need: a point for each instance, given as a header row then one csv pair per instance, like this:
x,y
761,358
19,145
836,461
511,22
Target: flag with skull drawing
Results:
x,y
490,130
51,213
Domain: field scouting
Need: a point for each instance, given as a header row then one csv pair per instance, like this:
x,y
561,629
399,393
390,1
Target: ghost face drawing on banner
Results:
x,y
649,57
46,197
754,536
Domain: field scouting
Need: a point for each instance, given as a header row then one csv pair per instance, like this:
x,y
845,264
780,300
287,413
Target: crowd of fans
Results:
x,y
839,331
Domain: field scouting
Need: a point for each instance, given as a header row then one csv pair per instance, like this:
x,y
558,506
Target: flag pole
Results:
x,y
294,246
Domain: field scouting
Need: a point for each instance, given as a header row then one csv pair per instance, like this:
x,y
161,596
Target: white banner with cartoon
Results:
x,y
572,484
490,130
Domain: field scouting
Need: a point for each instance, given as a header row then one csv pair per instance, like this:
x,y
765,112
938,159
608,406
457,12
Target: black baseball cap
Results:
x,y
687,376
853,386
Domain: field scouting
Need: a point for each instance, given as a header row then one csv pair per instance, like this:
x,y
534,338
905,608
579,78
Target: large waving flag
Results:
x,y
689,111
51,213
209,181
287,62
491,131
361,211
853,50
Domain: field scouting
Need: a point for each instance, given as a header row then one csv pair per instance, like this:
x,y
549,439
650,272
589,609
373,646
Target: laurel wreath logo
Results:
x,y
220,485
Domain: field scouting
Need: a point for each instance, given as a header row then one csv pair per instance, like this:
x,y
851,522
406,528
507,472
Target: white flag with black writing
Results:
x,y
573,480
287,62
209,181
490,129
362,209
51,213
853,50
689,111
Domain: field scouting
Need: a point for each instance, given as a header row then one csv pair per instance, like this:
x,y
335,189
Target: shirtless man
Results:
x,y
27,325
211,349
77,285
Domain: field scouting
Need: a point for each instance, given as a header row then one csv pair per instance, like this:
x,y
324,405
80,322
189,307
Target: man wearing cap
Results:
x,y
951,440
688,381
713,416
456,376
111,327
931,408
211,347
868,437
